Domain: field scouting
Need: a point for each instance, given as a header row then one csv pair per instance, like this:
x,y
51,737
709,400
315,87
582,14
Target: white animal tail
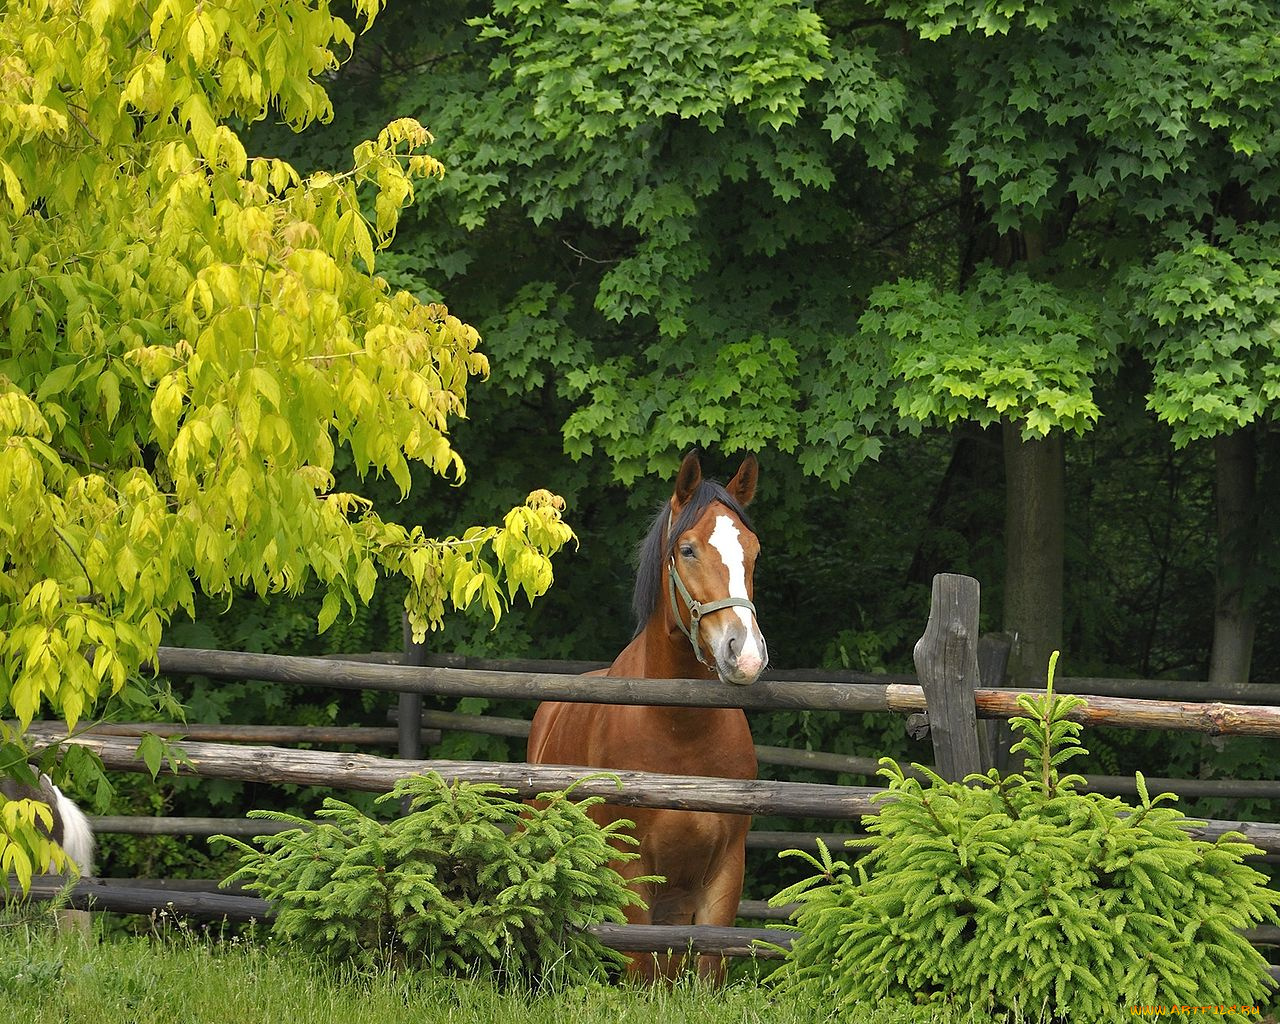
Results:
x,y
77,835
71,828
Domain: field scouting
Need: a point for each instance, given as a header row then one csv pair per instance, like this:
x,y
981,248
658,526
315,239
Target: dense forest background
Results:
x,y
990,289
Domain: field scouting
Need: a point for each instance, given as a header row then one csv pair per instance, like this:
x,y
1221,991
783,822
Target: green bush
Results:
x,y
469,881
1024,895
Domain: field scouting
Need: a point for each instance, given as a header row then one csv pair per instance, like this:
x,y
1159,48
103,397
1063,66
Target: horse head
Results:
x,y
710,563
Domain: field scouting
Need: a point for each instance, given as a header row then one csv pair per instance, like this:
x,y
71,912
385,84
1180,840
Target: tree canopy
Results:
x,y
729,186
824,230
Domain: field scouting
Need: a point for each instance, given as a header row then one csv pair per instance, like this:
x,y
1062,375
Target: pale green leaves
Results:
x,y
471,569
25,846
1207,315
188,335
1008,348
596,69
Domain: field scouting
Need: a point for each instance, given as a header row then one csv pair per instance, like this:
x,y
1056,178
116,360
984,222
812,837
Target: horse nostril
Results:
x,y
733,645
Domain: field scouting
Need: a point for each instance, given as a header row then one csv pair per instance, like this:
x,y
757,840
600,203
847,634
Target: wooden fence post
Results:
x,y
410,717
946,660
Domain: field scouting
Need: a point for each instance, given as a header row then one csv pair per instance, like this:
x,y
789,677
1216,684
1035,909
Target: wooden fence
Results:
x,y
436,723
959,685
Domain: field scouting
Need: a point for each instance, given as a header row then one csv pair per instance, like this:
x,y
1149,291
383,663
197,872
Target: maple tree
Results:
x,y
730,214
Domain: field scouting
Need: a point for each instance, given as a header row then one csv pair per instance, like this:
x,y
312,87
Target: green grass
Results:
x,y
185,979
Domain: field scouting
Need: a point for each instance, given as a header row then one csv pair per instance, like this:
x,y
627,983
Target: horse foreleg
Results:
x,y
719,907
662,907
644,968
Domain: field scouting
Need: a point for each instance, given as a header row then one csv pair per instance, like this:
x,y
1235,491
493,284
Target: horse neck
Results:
x,y
657,654
666,653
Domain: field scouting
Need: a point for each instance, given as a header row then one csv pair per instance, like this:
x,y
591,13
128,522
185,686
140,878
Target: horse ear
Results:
x,y
687,480
743,485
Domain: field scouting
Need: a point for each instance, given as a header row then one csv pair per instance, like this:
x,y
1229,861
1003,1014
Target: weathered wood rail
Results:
x,y
247,828
368,773
1215,718
436,722
355,735
372,774
1154,689
127,897
98,894
850,764
49,886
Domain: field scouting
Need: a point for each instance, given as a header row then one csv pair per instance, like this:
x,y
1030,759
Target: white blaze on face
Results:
x,y
726,539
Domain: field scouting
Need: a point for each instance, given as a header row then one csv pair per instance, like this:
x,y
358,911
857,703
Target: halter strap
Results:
x,y
697,609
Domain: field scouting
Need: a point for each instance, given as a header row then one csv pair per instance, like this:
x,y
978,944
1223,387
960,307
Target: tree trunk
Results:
x,y
963,504
1033,538
1234,618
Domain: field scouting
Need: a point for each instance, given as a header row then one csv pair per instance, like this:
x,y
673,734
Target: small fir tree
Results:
x,y
469,881
1024,895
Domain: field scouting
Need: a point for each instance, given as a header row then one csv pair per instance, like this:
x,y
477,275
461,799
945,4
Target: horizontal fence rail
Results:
x,y
1171,689
434,722
366,772
748,910
95,894
693,693
369,773
817,760
241,828
1155,689
1214,719
130,897
247,828
355,735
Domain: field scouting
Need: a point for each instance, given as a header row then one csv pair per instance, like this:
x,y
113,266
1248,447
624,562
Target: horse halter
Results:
x,y
697,609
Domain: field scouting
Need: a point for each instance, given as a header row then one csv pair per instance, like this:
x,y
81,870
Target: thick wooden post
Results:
x,y
946,660
410,716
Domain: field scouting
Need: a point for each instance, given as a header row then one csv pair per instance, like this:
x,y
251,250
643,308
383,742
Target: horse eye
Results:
x,y
686,550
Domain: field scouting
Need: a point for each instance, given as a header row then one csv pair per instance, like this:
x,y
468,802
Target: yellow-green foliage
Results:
x,y
1023,895
25,846
468,882
187,334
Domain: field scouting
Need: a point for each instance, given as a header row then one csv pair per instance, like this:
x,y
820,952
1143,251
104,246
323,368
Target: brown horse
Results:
x,y
693,602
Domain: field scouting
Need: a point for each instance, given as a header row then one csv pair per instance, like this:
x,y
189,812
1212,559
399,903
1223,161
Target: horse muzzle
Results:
x,y
741,654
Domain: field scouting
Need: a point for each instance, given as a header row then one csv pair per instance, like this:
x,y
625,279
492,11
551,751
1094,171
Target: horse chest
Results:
x,y
711,742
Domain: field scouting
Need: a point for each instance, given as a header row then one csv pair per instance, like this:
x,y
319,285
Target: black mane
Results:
x,y
657,547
